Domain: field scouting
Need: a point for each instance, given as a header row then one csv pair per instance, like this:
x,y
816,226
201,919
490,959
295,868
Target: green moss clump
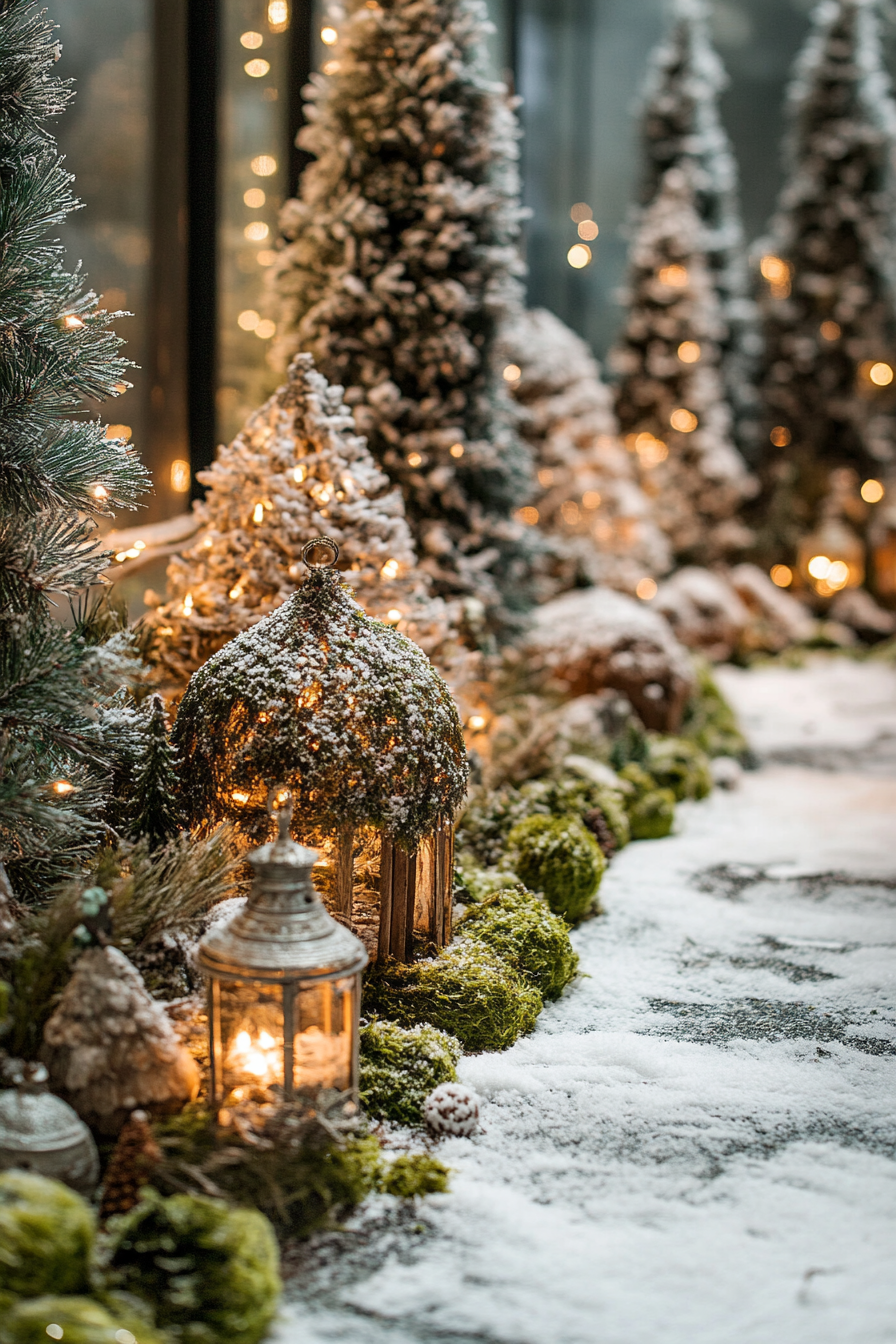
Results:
x,y
82,1320
467,991
527,935
400,1066
640,782
560,858
46,1236
681,766
710,721
652,815
415,1174
209,1273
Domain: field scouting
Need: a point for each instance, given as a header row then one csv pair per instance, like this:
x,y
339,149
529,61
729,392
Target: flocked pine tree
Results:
x,y
681,128
670,399
589,498
830,265
58,474
400,263
295,471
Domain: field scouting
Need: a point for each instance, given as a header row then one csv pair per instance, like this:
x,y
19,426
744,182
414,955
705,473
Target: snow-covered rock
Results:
x,y
704,611
777,618
858,609
595,638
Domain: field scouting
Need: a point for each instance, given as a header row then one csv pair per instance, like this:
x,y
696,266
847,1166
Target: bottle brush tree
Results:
x,y
670,398
681,128
829,268
58,474
399,265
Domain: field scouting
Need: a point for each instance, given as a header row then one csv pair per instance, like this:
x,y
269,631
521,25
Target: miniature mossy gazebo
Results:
x,y
351,717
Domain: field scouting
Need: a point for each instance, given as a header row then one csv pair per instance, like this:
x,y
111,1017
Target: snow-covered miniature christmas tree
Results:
x,y
297,469
400,263
681,128
110,1047
589,500
829,266
670,399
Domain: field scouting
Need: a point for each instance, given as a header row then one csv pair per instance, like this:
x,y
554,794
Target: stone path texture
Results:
x,y
697,1145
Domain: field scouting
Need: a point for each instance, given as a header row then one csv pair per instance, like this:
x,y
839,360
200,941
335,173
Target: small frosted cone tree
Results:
x,y
828,271
296,469
399,265
670,399
681,128
589,498
58,474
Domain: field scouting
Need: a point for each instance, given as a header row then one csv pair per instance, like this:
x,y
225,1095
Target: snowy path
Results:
x,y
698,1143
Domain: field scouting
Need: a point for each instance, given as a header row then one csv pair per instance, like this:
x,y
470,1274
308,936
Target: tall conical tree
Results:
x,y
681,127
830,268
670,400
58,474
401,262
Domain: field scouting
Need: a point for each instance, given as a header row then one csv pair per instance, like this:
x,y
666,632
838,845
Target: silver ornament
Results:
x,y
41,1133
452,1108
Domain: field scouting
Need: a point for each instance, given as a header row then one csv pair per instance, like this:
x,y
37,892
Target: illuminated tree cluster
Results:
x,y
670,398
828,273
589,499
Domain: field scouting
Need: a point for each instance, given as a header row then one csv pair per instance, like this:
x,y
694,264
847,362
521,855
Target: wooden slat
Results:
x,y
426,908
344,875
404,873
385,939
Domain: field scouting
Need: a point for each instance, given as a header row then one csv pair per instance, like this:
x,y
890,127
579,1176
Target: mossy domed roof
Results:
x,y
340,708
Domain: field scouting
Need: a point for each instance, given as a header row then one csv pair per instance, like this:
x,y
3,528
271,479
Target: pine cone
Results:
x,y
597,825
452,1108
133,1161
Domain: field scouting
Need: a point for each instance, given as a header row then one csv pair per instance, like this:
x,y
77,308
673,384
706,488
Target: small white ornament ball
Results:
x,y
452,1108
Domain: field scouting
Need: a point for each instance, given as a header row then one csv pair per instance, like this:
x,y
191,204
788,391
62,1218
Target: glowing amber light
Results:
x,y
777,272
263,165
235,592
881,374
477,722
72,323
394,615
99,491
683,420
872,492
837,575
188,604
456,450
646,589
689,352
62,787
118,432
389,569
579,256
260,1057
248,320
252,41
830,331
819,566
265,329
675,276
588,230
328,36
781,576
254,198
298,474
570,511
528,515
651,451
591,499
278,15
331,67
580,212
258,513
257,69
780,436
266,257
414,459
256,232
512,373
239,797
180,476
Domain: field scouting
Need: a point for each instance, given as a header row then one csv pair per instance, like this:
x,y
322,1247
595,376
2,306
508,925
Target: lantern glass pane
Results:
x,y
251,1035
324,1036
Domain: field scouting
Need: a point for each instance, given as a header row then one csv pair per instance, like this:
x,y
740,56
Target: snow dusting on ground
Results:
x,y
697,1145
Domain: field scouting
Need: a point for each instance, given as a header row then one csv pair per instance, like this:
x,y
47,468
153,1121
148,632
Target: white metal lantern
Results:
x,y
284,985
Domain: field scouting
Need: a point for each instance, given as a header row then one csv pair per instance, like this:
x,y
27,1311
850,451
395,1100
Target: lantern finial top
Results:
x,y
316,551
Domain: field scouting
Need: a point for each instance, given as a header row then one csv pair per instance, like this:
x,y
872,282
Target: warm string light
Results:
x,y
180,476
830,331
588,230
257,69
872,491
456,450
651,450
646,589
777,272
579,256
132,552
414,459
329,36
528,515
389,569
188,604
72,323
62,787
264,165
781,576
689,352
881,374
278,15
252,41
581,212
394,615
477,722
254,198
683,420
780,436
257,231
674,276
99,491
512,373
122,432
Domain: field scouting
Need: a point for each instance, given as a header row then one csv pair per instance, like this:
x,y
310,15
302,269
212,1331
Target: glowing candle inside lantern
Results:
x,y
259,1057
